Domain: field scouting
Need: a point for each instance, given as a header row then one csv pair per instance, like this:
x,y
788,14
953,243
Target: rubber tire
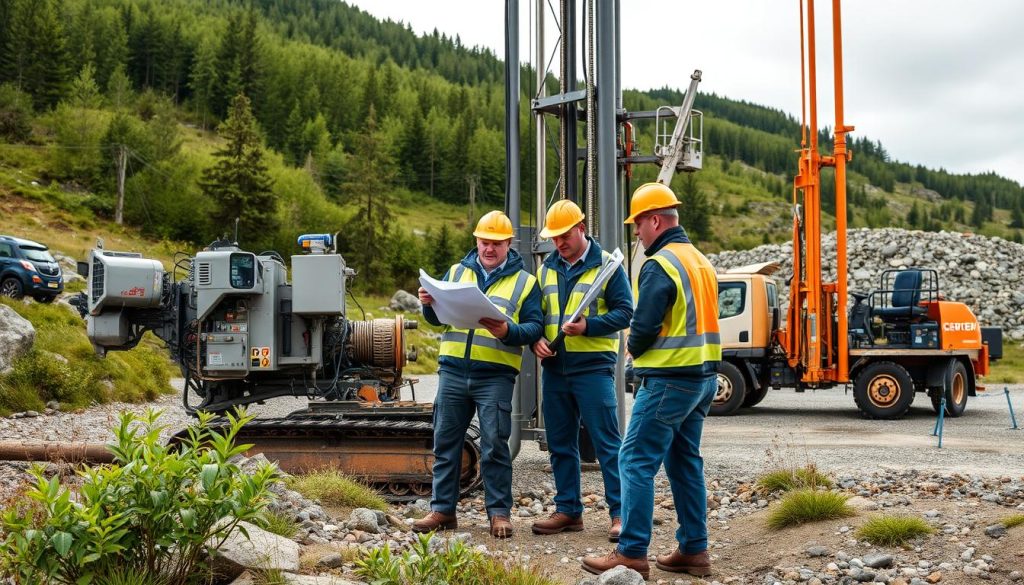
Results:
x,y
17,290
730,380
954,408
897,376
754,397
45,299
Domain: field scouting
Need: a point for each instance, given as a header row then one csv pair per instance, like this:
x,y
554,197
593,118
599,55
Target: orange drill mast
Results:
x,y
816,339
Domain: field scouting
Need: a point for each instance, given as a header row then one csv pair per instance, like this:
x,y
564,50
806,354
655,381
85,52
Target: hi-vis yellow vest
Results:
x,y
689,334
553,312
508,294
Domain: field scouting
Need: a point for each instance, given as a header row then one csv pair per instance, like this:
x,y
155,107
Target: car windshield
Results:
x,y
37,254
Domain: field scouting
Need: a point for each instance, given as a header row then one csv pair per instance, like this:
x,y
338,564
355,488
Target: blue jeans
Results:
x,y
668,417
567,399
457,399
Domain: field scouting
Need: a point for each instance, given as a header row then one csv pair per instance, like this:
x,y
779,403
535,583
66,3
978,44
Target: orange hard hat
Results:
x,y
494,225
561,217
648,197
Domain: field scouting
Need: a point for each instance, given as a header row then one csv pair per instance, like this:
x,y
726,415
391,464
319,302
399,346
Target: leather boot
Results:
x,y
697,564
615,530
598,565
435,521
501,527
558,522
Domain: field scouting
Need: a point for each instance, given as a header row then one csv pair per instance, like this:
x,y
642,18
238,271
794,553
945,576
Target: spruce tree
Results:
x,y
695,211
238,182
1017,215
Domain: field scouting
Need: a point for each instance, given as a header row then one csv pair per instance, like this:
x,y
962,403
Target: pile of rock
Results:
x,y
985,273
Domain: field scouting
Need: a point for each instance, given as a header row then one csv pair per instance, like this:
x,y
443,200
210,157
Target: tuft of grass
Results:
x,y
455,564
269,577
127,577
1014,520
805,505
332,487
312,554
784,480
279,523
893,530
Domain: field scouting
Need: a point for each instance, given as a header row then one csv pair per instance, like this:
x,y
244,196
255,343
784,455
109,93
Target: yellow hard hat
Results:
x,y
648,197
494,225
562,216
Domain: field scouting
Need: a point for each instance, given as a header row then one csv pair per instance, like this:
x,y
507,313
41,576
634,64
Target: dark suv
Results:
x,y
27,268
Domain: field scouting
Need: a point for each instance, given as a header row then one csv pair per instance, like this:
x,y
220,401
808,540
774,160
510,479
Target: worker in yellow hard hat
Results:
x,y
478,369
676,347
579,372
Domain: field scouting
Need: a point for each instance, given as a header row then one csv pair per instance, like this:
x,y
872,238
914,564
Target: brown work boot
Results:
x,y
615,530
501,527
698,564
435,521
558,522
598,565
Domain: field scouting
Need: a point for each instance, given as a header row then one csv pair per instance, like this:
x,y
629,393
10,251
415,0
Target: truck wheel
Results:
x,y
11,287
732,389
754,397
954,386
883,390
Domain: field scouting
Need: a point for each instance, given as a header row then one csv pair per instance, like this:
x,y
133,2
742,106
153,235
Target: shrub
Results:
x,y
789,479
332,487
15,114
1014,520
278,523
152,513
802,506
455,564
893,530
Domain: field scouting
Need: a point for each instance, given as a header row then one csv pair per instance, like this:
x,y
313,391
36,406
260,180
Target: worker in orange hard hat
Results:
x,y
676,347
579,372
478,369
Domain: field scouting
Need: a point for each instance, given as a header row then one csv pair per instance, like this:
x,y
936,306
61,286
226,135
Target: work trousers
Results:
x,y
666,425
458,398
568,399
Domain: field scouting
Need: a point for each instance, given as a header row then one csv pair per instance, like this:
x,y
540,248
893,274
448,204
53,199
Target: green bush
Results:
x,y
455,564
15,114
152,513
1013,520
893,530
803,506
785,480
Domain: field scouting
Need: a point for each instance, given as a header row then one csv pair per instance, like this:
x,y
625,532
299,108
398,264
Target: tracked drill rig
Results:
x,y
242,333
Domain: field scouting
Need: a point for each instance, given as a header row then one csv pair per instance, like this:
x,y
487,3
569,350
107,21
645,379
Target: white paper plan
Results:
x,y
459,304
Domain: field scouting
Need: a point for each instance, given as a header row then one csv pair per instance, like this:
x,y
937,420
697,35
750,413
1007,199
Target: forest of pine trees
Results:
x,y
334,112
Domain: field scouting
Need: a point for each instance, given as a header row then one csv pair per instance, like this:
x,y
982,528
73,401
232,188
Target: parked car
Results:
x,y
27,268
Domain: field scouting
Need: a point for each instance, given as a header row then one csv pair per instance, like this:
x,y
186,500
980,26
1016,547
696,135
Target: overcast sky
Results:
x,y
939,82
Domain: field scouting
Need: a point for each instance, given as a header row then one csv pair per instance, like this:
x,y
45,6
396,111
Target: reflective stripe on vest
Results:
x,y
553,312
508,294
689,334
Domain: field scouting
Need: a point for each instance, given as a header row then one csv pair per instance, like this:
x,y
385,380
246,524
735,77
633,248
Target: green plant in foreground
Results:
x,y
785,480
332,487
802,506
454,564
153,513
1013,520
893,530
269,577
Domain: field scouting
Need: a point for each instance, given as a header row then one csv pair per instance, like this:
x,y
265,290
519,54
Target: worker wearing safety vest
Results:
x,y
675,343
477,374
579,372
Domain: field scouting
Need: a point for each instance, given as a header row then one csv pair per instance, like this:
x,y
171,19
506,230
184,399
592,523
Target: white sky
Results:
x,y
939,82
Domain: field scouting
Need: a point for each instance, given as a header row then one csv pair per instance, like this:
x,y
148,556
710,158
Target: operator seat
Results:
x,y
906,294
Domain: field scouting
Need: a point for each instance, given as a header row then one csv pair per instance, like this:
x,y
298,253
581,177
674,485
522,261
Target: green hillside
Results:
x,y
363,127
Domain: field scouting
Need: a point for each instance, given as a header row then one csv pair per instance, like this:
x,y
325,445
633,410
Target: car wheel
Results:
x,y
732,389
883,390
11,287
955,386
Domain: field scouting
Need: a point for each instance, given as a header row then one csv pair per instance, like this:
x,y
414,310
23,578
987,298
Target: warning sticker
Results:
x,y
255,353
265,363
265,351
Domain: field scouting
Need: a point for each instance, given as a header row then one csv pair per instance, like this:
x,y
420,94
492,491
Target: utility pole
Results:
x,y
471,179
122,161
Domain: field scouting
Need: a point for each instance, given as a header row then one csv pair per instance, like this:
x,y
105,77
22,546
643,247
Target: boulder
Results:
x,y
261,550
404,302
16,337
620,576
